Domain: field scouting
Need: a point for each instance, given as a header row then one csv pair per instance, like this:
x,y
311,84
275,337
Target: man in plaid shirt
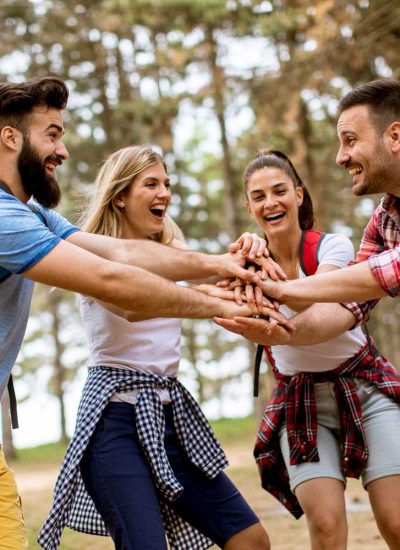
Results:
x,y
369,135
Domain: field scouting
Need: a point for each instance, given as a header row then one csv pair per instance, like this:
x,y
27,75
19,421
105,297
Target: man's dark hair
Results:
x,y
382,97
17,100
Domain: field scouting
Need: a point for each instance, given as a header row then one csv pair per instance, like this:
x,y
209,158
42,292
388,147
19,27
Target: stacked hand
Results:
x,y
261,274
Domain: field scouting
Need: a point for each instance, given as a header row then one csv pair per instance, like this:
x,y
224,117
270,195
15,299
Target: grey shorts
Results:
x,y
382,429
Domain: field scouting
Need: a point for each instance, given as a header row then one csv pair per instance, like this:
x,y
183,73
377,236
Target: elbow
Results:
x,y
105,282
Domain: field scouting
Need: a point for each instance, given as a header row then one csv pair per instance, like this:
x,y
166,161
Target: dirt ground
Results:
x,y
36,486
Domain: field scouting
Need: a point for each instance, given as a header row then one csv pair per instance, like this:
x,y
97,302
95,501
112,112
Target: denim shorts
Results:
x,y
118,478
381,418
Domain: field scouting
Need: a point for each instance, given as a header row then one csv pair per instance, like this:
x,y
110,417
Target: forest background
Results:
x,y
208,82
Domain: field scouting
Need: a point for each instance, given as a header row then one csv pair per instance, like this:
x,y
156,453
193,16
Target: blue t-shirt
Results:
x,y
24,241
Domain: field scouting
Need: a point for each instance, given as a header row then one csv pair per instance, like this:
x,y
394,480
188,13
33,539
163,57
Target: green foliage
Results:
x,y
209,82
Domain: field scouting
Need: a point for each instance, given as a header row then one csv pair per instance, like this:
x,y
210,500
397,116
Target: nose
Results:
x,y
270,202
164,191
61,150
342,157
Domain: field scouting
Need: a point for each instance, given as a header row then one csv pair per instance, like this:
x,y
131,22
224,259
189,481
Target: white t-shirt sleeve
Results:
x,y
336,249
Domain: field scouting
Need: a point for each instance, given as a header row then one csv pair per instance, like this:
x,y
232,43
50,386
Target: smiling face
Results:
x,y
145,204
42,151
365,154
273,201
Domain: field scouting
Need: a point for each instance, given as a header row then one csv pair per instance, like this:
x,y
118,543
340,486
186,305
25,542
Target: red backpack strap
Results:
x,y
308,252
309,246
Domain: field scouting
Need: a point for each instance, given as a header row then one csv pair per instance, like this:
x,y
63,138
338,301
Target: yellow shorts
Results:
x,y
12,528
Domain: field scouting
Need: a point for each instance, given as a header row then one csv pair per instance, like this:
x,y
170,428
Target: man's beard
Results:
x,y
35,180
382,170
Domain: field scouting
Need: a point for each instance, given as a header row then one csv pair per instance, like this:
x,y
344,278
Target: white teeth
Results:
x,y
354,171
159,207
274,217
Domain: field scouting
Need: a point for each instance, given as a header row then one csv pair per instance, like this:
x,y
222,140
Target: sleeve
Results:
x,y
336,249
371,250
56,223
25,239
386,270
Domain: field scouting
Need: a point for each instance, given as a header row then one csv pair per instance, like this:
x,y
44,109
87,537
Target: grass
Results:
x,y
36,471
50,453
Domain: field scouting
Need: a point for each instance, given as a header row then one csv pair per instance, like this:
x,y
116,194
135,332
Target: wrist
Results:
x,y
207,264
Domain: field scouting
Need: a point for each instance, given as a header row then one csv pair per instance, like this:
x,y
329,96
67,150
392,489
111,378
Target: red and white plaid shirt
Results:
x,y
380,246
293,401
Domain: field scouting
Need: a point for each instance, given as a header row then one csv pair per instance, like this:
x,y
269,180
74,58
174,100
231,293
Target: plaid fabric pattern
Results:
x,y
293,402
380,246
72,506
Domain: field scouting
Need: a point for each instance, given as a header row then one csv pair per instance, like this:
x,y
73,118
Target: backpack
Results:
x,y
310,243
4,274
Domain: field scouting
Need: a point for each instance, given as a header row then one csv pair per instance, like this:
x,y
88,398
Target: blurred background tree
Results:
x,y
208,82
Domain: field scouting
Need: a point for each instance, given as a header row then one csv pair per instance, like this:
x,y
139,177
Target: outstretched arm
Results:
x,y
144,294
318,323
171,263
355,283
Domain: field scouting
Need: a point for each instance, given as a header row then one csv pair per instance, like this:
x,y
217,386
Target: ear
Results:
x,y
11,138
248,208
299,195
393,137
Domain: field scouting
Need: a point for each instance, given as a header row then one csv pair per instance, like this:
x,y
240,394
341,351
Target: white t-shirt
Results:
x,y
151,346
335,249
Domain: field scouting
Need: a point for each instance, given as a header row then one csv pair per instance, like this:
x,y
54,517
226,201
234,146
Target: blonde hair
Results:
x,y
119,171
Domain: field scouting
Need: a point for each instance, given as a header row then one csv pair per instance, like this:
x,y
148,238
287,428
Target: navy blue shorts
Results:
x,y
118,478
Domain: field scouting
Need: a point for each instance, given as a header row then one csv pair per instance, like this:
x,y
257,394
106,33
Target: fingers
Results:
x,y
273,270
269,288
278,317
251,245
237,293
229,324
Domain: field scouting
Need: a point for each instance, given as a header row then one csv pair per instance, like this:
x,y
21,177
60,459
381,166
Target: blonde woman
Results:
x,y
150,466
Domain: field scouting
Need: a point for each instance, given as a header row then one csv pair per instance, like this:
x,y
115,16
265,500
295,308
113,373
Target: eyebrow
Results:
x,y
345,133
60,129
151,178
273,187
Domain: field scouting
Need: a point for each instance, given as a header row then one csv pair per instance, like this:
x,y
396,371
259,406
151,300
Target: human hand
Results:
x,y
239,295
250,245
272,289
260,331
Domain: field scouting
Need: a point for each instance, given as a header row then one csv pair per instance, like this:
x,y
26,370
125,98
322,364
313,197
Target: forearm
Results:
x,y
127,287
355,283
172,263
319,323
156,297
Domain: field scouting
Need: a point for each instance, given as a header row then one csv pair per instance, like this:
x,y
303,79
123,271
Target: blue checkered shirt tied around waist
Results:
x,y
72,505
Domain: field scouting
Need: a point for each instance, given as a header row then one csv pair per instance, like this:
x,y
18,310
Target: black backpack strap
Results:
x,y
13,403
257,364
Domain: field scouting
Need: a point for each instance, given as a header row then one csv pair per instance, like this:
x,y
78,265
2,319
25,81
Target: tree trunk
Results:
x,y
59,371
8,444
231,202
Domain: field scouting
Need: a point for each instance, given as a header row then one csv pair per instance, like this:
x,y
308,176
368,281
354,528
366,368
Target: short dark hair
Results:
x,y
17,100
272,158
382,97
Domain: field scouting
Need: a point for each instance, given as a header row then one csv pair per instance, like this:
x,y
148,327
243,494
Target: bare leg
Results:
x,y
384,495
322,500
252,538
